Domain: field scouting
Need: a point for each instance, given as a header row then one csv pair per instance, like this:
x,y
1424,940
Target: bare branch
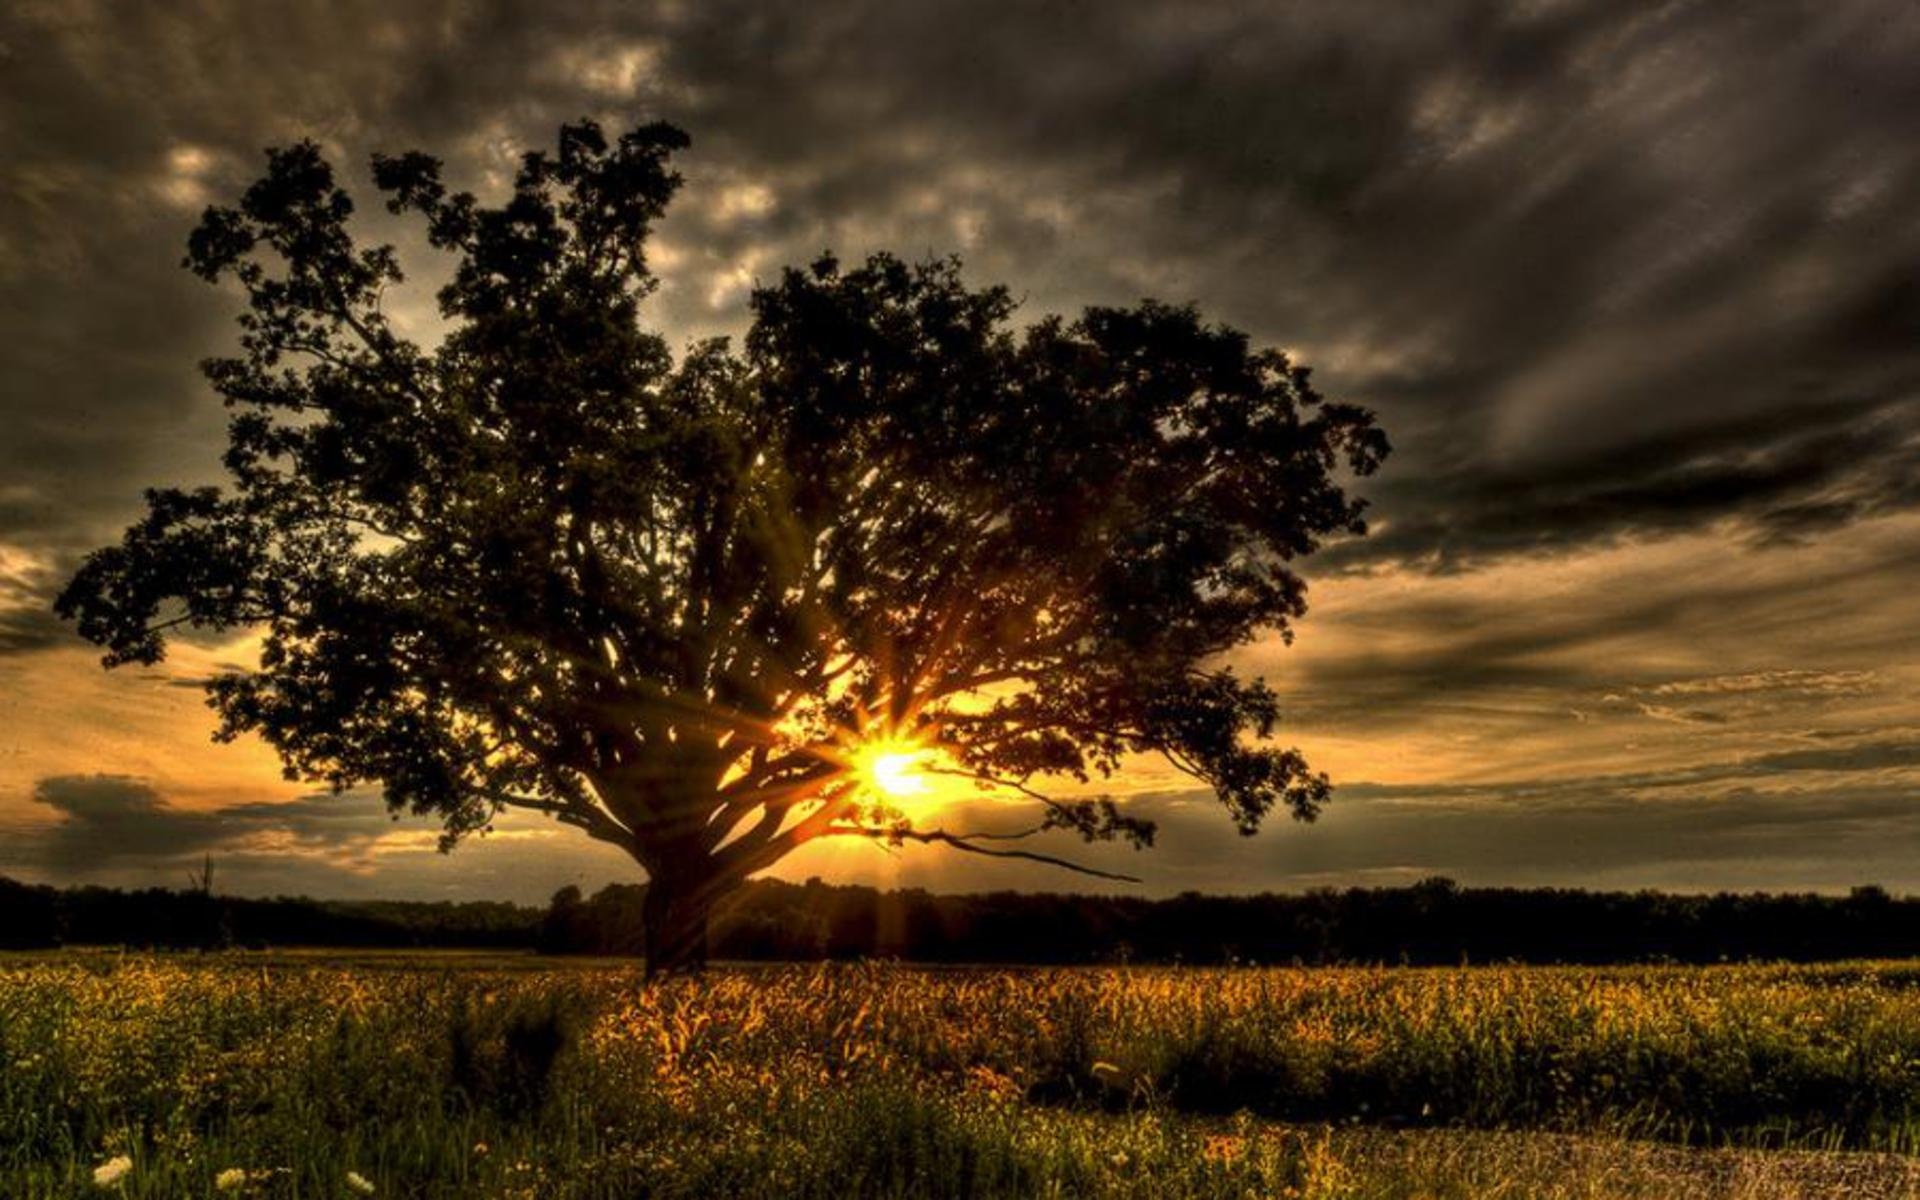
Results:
x,y
594,820
965,841
1001,781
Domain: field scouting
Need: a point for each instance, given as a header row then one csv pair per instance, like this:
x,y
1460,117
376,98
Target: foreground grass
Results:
x,y
287,1074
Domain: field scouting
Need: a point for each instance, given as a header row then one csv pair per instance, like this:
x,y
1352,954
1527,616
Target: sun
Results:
x,y
892,768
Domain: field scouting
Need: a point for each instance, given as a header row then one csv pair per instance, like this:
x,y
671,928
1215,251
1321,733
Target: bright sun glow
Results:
x,y
892,768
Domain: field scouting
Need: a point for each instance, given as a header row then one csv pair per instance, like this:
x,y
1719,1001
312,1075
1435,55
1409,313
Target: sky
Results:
x,y
1633,287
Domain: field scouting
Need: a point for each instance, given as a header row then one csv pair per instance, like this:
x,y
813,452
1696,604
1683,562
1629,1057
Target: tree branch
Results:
x,y
596,822
964,841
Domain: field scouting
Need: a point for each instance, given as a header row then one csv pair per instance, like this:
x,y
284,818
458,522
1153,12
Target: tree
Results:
x,y
698,607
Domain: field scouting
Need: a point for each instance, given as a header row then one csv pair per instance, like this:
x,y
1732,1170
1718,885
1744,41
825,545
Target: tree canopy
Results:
x,y
547,563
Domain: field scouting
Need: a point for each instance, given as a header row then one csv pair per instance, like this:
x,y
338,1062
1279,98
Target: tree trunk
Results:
x,y
675,914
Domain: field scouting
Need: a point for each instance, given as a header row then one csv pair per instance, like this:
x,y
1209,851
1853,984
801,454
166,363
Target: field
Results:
x,y
311,1076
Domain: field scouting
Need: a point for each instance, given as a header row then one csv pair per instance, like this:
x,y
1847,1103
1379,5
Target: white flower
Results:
x,y
109,1172
360,1183
229,1179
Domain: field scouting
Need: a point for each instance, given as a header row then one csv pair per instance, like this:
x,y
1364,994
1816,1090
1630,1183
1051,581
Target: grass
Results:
x,y
472,1075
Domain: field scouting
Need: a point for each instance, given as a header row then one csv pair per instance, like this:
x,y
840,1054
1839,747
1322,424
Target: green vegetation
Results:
x,y
298,1076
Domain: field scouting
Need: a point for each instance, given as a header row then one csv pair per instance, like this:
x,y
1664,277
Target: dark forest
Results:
x,y
1434,922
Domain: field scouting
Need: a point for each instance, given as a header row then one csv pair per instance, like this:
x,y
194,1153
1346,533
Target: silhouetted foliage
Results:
x,y
33,917
542,564
1432,923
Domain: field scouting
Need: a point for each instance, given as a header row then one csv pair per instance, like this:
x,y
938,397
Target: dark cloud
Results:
x,y
107,820
30,626
1786,475
121,829
1869,756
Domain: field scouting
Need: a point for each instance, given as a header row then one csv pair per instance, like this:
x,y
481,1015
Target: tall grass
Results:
x,y
876,1081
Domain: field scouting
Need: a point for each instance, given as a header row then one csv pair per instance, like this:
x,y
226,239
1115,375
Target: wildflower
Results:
x,y
1223,1147
229,1179
109,1172
479,1149
360,1183
1120,1158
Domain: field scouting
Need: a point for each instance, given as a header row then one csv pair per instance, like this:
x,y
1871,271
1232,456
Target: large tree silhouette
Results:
x,y
680,604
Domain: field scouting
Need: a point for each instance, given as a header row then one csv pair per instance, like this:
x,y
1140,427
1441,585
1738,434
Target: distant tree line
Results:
x,y
36,917
1432,922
